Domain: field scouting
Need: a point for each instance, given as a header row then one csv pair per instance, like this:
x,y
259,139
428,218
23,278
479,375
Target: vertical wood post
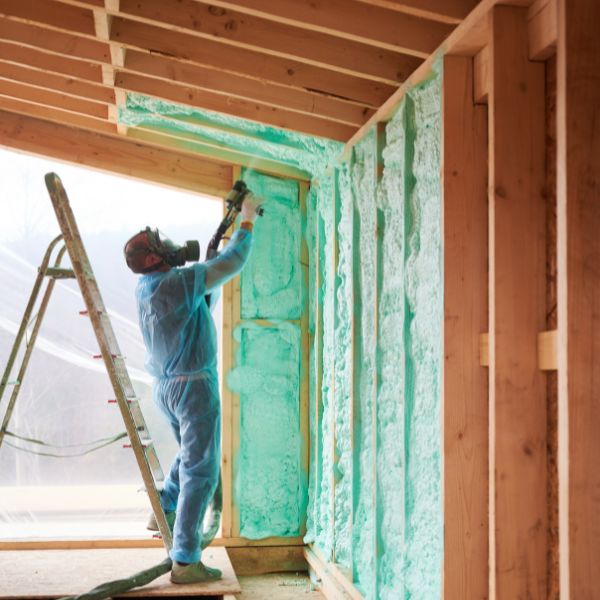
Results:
x,y
578,244
465,395
517,312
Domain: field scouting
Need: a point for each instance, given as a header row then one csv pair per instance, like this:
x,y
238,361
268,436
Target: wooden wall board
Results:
x,y
578,212
465,392
40,574
517,298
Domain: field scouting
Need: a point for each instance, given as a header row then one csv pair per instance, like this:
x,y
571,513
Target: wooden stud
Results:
x,y
335,584
113,155
465,421
517,270
235,407
578,212
304,399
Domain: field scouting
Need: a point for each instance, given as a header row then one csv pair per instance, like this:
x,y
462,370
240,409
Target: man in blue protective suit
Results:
x,y
181,343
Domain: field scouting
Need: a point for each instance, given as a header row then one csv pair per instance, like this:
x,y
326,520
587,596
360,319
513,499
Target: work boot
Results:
x,y
152,525
194,573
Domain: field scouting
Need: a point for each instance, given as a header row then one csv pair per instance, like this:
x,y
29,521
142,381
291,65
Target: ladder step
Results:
x,y
58,273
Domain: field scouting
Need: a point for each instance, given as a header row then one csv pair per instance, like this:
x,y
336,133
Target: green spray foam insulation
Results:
x,y
381,299
342,365
272,279
306,152
365,380
423,341
270,485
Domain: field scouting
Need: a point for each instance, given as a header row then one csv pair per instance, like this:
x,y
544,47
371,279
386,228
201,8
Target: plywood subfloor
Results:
x,y
42,574
278,586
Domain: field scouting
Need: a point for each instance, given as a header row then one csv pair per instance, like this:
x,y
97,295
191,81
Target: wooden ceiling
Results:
x,y
317,66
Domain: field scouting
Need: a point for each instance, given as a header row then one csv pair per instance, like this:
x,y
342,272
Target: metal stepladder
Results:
x,y
131,413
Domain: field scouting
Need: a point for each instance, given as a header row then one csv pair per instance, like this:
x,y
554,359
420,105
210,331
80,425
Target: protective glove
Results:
x,y
249,207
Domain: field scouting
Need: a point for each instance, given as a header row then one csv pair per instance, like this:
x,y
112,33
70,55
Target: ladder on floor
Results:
x,y
135,425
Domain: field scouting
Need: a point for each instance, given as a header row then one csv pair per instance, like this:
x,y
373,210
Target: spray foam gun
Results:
x,y
234,201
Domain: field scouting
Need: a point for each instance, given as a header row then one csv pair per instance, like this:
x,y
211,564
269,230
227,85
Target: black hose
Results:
x,y
119,586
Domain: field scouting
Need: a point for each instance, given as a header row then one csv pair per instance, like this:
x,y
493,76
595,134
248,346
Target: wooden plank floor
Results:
x,y
44,574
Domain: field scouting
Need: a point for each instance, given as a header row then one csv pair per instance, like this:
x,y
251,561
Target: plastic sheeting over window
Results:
x,y
65,393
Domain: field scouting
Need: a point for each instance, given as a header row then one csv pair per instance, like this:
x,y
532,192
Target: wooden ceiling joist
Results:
x,y
59,83
53,63
248,63
253,33
444,11
116,154
320,67
234,106
245,88
349,20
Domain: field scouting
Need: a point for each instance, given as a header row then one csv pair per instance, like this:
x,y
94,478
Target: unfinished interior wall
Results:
x,y
375,501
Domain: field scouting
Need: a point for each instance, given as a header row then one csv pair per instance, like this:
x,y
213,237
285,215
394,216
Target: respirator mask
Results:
x,y
150,249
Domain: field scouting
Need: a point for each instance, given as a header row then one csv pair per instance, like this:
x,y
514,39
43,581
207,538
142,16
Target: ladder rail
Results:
x,y
107,342
34,333
27,315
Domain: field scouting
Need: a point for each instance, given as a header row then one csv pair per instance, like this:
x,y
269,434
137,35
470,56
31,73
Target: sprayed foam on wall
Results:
x,y
343,369
423,281
309,153
270,485
365,380
391,200
324,527
271,285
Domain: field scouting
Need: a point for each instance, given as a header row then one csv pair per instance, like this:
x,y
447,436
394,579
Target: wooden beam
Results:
x,y
182,143
102,24
228,84
333,582
245,31
56,115
113,155
354,21
465,393
444,11
257,560
55,15
465,40
234,106
64,44
59,83
517,270
578,185
255,65
543,29
22,55
48,98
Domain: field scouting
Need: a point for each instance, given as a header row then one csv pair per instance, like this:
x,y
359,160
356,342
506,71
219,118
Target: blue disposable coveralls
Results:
x,y
181,343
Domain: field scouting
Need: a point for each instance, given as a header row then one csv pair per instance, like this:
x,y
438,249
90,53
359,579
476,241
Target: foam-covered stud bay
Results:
x,y
272,280
270,485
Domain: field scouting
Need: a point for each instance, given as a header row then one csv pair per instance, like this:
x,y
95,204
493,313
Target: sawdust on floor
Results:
x,y
278,586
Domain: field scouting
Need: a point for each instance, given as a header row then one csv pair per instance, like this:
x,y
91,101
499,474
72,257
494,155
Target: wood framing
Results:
x,y
113,154
516,271
578,185
465,391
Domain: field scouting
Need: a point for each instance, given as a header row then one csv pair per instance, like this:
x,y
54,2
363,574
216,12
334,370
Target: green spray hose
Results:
x,y
120,586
